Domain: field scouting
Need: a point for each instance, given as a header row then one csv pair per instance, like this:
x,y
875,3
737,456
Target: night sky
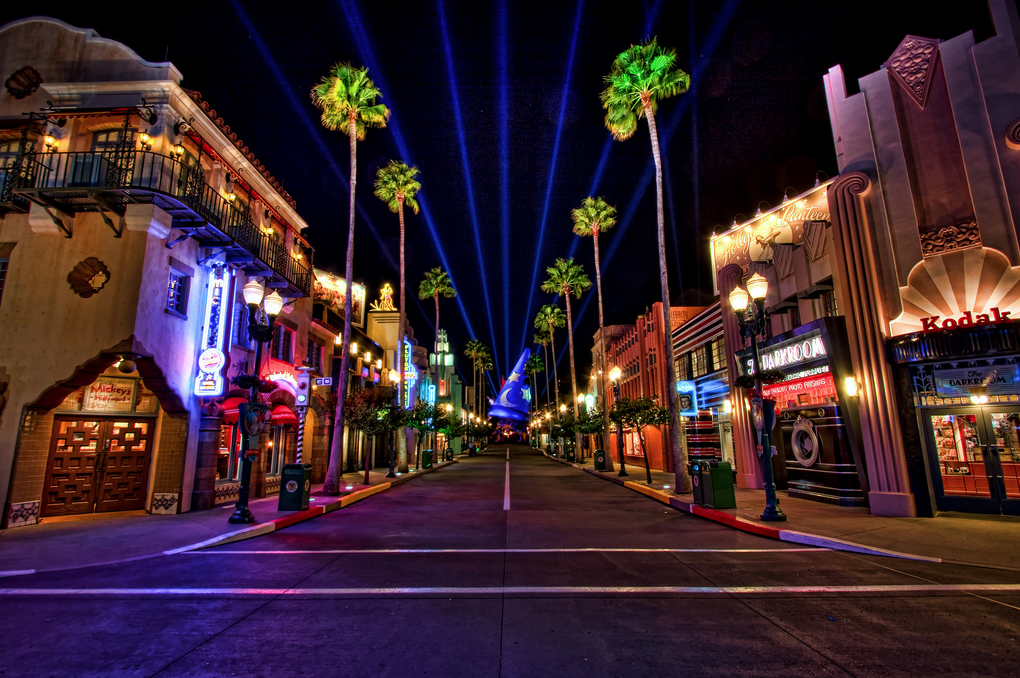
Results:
x,y
498,105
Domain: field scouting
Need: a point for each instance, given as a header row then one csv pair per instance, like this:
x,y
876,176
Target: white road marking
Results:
x,y
517,590
506,485
470,551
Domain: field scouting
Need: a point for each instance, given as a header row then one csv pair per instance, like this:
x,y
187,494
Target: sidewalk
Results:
x,y
97,538
968,539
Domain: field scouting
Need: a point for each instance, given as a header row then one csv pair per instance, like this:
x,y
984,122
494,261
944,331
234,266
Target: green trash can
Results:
x,y
600,460
426,459
719,483
449,454
295,486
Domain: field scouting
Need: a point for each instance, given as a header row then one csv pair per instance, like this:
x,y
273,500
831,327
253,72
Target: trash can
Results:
x,y
449,454
698,468
600,460
720,484
426,459
472,451
570,455
295,486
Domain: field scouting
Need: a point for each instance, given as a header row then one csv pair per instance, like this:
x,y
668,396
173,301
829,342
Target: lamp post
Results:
x,y
614,376
753,322
253,416
563,438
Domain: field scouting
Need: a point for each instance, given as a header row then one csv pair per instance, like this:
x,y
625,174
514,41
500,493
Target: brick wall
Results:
x,y
31,457
173,435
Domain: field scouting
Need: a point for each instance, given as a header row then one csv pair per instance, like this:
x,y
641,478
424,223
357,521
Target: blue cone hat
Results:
x,y
511,403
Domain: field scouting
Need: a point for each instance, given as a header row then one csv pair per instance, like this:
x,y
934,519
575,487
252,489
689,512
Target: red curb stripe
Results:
x,y
733,521
298,517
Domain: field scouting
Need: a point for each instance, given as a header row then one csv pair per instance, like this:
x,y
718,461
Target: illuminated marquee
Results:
x,y
211,359
331,290
787,354
410,374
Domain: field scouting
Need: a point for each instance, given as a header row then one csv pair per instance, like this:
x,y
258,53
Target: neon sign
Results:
x,y
687,398
410,374
285,378
211,359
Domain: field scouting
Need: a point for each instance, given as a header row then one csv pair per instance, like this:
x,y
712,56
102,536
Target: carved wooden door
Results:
x,y
97,464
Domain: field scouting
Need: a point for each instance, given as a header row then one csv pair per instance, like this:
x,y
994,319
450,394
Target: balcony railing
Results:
x,y
90,181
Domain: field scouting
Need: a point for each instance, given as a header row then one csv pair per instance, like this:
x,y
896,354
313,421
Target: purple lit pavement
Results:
x,y
511,564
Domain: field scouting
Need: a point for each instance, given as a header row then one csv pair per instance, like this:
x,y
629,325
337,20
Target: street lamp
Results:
x,y
614,376
254,414
753,322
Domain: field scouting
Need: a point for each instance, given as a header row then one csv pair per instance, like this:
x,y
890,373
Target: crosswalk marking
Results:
x,y
517,590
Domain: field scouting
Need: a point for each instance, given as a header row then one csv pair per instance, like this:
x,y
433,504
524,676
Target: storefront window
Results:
x,y
227,467
277,451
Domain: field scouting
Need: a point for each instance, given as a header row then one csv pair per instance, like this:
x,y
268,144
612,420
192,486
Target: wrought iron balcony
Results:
x,y
107,182
9,200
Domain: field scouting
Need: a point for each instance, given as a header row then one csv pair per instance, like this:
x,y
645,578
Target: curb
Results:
x,y
253,530
307,514
715,515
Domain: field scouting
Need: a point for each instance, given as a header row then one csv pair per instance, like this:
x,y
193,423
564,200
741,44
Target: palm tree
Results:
x,y
569,279
533,367
638,79
435,283
396,186
475,350
347,99
595,216
543,336
550,317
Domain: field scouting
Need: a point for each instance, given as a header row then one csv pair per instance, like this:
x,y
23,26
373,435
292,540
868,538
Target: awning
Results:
x,y
230,409
283,415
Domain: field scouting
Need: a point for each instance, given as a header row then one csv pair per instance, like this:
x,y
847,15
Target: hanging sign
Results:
x,y
687,398
110,394
211,359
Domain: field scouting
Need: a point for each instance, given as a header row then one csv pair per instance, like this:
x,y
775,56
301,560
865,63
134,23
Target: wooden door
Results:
x,y
70,479
97,464
123,470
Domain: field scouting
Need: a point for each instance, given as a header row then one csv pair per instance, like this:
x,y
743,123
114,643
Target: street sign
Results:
x,y
324,381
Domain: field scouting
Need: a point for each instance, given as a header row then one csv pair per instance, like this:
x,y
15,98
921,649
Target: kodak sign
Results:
x,y
996,317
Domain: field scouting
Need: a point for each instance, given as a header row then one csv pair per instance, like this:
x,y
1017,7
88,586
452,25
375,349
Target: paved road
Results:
x,y
511,565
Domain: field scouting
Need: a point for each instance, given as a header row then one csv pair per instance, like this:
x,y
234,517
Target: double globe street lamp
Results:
x,y
753,321
614,376
253,415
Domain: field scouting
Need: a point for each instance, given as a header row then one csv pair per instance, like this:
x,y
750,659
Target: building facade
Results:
x,y
131,218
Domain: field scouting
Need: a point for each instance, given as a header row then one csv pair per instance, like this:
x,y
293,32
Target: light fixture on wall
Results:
x,y
145,141
354,348
851,387
178,151
49,142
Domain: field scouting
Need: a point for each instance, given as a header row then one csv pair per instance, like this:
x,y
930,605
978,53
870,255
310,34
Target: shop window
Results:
x,y
699,362
283,344
3,277
829,309
239,333
315,352
274,460
106,141
718,354
227,466
177,293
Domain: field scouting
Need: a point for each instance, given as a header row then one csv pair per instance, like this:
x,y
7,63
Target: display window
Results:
x,y
977,453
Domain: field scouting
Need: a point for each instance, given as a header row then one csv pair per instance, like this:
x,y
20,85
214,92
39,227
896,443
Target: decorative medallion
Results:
x,y
23,82
912,66
88,277
950,238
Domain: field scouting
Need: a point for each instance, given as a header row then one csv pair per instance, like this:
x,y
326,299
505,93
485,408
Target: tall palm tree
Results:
x,y
595,216
549,318
347,99
475,350
639,78
396,186
533,367
435,283
569,279
543,336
